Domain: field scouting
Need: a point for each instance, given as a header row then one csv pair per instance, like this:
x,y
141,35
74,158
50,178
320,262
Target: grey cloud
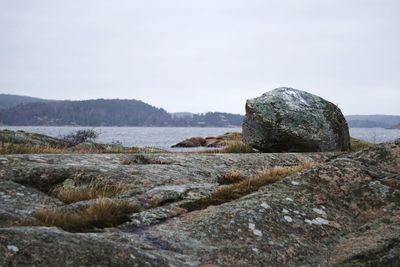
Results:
x,y
187,55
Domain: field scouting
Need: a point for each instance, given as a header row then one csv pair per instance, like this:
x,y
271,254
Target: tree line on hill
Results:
x,y
25,110
373,121
104,112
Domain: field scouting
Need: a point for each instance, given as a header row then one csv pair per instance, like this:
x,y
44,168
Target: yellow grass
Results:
x,y
230,177
237,147
233,136
357,144
9,148
234,191
28,149
95,189
231,147
102,213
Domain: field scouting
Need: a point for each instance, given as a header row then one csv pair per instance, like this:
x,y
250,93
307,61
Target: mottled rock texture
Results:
x,y
290,120
343,212
192,142
26,138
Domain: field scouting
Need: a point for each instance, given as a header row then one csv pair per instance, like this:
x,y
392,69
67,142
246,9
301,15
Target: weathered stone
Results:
x,y
211,141
18,203
42,246
290,120
26,138
144,171
343,211
192,142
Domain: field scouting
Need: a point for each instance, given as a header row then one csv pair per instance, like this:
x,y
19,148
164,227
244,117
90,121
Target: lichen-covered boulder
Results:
x,y
290,120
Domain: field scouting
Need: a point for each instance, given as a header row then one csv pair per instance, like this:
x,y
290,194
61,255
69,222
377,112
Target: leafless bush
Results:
x,y
81,136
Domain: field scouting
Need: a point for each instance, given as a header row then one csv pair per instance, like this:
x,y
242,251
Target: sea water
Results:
x,y
165,137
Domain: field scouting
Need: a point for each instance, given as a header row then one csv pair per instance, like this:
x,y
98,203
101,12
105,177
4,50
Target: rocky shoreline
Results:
x,y
336,203
344,211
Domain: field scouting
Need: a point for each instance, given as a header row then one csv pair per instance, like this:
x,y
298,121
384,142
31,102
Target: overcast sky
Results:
x,y
203,55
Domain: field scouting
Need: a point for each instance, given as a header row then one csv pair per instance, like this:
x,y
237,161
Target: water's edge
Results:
x,y
165,137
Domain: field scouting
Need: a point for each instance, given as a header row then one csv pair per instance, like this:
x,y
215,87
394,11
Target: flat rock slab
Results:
x,y
18,203
318,217
142,171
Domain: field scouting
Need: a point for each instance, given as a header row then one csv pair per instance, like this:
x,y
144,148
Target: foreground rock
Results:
x,y
346,211
290,120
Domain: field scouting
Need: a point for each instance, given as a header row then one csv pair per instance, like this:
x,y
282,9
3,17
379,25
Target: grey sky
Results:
x,y
203,55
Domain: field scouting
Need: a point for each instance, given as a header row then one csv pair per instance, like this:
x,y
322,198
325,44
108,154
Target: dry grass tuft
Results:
x,y
237,147
102,213
231,147
233,136
10,148
28,149
95,189
230,177
357,144
234,191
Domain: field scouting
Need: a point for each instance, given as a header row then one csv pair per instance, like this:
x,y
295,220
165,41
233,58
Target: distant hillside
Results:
x,y
98,112
213,119
9,101
26,110
112,112
397,126
182,115
372,121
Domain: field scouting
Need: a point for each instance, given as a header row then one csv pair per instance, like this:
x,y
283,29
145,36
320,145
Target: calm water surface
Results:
x,y
165,137
160,137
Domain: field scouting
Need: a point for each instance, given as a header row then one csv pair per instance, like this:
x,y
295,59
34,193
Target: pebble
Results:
x,y
317,221
319,211
288,218
265,205
285,211
252,226
256,232
13,248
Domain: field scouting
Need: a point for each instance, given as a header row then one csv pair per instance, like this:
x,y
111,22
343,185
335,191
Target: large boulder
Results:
x,y
290,120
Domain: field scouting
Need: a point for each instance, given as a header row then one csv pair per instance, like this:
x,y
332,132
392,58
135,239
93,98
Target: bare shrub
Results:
x,y
81,136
